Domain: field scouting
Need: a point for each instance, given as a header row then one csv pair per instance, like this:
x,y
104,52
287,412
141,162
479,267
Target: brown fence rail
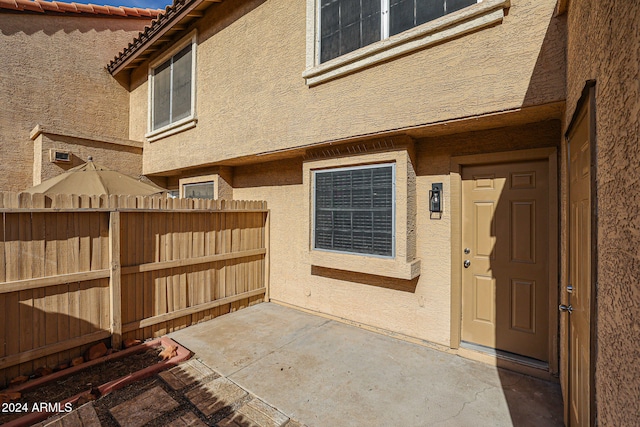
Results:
x,y
76,269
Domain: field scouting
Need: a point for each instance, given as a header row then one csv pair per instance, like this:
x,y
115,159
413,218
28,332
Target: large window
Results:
x,y
347,25
172,89
354,210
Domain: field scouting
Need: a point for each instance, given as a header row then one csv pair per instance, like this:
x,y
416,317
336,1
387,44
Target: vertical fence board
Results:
x,y
179,281
153,246
162,225
12,273
79,302
138,258
61,295
147,257
115,289
38,234
128,258
25,308
51,269
209,243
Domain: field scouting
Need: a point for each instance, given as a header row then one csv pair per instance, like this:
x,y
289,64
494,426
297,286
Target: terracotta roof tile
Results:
x,y
8,4
164,19
58,7
66,7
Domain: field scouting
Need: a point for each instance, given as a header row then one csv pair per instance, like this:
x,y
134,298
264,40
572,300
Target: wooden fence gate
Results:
x,y
75,270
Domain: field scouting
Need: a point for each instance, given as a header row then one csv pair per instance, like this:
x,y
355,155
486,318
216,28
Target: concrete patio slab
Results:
x,y
322,372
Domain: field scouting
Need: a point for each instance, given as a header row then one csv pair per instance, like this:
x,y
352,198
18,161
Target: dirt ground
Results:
x,y
85,380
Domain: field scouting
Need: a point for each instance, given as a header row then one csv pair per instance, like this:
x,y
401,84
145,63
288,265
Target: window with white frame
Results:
x,y
172,87
354,210
200,190
347,25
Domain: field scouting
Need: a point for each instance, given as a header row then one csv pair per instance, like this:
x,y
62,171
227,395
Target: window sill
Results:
x,y
390,267
172,129
485,14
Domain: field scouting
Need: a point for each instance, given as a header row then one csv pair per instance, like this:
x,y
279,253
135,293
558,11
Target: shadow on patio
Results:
x,y
322,372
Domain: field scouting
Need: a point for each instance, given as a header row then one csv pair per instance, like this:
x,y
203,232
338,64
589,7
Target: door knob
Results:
x,y
564,308
467,263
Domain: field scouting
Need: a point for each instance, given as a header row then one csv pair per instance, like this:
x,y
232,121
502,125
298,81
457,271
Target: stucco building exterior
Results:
x,y
55,93
451,177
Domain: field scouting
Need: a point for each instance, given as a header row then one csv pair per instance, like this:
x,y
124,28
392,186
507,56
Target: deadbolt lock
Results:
x,y
467,251
565,308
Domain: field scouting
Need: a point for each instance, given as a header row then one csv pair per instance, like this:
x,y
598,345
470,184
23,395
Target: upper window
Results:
x,y
354,210
345,36
172,90
347,25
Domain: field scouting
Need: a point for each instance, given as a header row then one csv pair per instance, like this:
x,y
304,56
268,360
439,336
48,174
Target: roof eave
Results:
x,y
176,18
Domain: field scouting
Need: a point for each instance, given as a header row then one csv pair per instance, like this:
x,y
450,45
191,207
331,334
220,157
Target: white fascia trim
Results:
x,y
481,15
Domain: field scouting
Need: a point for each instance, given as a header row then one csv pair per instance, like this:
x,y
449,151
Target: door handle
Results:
x,y
467,263
564,308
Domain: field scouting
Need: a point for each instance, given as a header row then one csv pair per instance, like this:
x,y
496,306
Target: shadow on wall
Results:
x,y
30,24
366,279
550,64
270,174
218,17
73,310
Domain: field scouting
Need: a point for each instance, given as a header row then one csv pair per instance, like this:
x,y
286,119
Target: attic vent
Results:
x,y
57,156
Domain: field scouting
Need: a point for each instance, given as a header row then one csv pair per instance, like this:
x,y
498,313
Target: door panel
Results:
x,y
505,227
579,273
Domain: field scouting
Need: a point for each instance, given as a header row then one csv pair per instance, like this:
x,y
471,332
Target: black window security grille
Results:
x,y
354,210
172,89
406,14
347,25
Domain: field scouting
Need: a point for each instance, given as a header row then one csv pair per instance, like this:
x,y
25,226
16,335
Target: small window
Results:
x,y
201,190
354,210
347,25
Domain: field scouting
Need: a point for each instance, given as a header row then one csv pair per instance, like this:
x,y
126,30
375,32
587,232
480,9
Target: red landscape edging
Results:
x,y
34,417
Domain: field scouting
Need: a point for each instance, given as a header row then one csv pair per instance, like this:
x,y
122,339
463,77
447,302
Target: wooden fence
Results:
x,y
75,270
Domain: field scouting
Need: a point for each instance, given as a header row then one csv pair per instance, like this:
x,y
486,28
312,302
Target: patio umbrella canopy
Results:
x,y
94,180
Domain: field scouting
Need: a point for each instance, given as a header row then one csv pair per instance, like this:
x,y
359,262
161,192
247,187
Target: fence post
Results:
x,y
114,280
267,256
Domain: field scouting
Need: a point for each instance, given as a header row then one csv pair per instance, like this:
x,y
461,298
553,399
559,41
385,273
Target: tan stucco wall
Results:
x,y
604,44
420,308
53,73
126,159
251,96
